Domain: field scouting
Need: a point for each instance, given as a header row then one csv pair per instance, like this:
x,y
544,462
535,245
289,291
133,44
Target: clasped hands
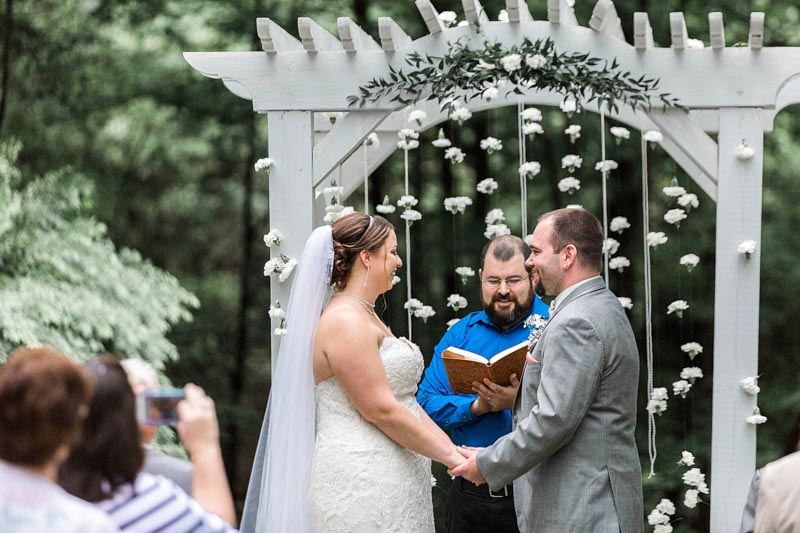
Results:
x,y
493,397
469,468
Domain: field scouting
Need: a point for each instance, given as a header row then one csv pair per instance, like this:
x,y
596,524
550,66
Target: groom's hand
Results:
x,y
496,397
469,468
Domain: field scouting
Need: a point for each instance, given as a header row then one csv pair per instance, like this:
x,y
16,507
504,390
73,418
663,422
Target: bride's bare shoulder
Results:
x,y
340,316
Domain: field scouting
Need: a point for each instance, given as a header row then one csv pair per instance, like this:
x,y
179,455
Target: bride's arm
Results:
x,y
352,352
432,426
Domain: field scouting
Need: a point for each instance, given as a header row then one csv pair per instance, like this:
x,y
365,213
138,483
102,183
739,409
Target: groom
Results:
x,y
572,453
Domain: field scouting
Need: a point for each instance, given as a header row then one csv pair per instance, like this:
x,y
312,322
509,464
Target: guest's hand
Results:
x,y
469,468
495,397
197,422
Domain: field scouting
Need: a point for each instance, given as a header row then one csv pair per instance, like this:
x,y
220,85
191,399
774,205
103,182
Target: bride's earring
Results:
x,y
367,276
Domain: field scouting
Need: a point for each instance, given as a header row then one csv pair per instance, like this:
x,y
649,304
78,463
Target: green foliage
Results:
x,y
62,282
467,72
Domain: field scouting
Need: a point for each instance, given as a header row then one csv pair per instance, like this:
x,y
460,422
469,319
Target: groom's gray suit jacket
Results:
x,y
572,454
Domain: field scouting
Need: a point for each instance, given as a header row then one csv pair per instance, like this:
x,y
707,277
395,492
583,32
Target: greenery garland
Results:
x,y
467,73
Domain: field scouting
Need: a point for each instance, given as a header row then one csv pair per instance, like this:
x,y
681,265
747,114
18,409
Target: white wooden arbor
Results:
x,y
734,92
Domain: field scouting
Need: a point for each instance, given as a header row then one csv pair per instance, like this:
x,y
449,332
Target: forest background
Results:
x,y
107,135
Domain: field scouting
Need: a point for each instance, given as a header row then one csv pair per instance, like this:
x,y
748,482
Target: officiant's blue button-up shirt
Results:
x,y
476,333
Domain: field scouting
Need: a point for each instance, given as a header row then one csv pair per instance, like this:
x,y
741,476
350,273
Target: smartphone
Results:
x,y
157,407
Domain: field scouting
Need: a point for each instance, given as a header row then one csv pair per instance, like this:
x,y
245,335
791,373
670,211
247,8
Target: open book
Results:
x,y
463,367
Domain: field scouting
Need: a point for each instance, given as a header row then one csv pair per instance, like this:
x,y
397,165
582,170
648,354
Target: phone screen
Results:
x,y
157,407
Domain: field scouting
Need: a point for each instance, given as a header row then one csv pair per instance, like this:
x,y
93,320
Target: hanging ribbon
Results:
x,y
365,148
648,311
523,156
408,237
605,185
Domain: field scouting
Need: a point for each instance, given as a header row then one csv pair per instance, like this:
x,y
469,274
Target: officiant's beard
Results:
x,y
506,319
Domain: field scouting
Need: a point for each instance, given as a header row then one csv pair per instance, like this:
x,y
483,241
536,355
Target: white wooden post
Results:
x,y
291,194
733,440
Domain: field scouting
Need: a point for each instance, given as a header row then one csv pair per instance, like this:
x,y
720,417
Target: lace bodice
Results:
x,y
364,481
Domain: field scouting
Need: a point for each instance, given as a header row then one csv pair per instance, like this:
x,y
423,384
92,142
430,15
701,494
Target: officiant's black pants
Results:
x,y
470,509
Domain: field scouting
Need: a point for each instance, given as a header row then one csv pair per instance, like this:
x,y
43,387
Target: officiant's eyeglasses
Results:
x,y
511,283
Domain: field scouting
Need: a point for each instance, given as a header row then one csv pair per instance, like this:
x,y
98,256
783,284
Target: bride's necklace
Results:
x,y
368,306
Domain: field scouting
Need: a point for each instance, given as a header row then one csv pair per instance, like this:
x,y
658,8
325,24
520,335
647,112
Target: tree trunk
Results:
x,y
7,28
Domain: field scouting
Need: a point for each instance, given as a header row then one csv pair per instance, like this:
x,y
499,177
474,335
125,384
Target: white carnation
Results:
x,y
674,216
619,224
569,184
496,230
656,238
511,62
495,216
486,186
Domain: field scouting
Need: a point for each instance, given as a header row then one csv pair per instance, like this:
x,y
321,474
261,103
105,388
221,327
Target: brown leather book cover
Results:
x,y
464,367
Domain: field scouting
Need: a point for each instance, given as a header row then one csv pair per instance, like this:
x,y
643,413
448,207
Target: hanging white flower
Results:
x,y
571,162
619,263
491,145
424,312
687,458
456,302
441,141
288,268
692,349
656,238
511,62
574,206
275,311
674,216
448,18
691,499
495,216
461,115
457,204
279,332
273,266
677,307
688,201
531,129
408,144
531,114
406,201
619,224
695,478
452,322
625,302
569,185
496,230
418,116
568,106
674,191
658,401
413,304
656,517
750,385
756,418
334,208
333,194
373,141
689,261
693,44
574,132
502,16
490,92
666,507
386,207
681,388
455,155
411,215
333,116
620,133
610,246
465,272
535,61
653,136
660,528
408,139
487,186
744,151
273,238
263,164
395,280
606,165
691,373
530,169
747,248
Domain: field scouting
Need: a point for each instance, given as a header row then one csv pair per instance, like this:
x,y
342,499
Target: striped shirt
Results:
x,y
155,504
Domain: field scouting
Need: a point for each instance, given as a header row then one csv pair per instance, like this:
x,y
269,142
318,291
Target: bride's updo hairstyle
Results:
x,y
352,234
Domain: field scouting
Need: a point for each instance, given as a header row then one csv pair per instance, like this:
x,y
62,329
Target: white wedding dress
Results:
x,y
363,481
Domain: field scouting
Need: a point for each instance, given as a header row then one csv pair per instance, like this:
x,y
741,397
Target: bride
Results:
x,y
345,446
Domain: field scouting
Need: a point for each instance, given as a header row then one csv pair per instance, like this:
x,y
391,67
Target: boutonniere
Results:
x,y
536,324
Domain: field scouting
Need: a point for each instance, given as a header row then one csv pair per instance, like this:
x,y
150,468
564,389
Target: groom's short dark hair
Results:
x,y
580,228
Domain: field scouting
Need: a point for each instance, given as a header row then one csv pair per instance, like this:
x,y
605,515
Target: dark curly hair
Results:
x,y
352,234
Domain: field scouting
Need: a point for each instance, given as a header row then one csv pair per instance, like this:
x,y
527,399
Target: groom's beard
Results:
x,y
506,319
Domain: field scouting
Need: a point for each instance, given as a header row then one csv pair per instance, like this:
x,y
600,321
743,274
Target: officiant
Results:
x,y
479,419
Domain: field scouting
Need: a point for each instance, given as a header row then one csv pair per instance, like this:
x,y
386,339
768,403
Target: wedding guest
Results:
x,y
105,466
479,419
778,503
143,377
43,398
572,454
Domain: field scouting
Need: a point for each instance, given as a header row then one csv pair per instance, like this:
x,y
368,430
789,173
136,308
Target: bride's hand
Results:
x,y
455,458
